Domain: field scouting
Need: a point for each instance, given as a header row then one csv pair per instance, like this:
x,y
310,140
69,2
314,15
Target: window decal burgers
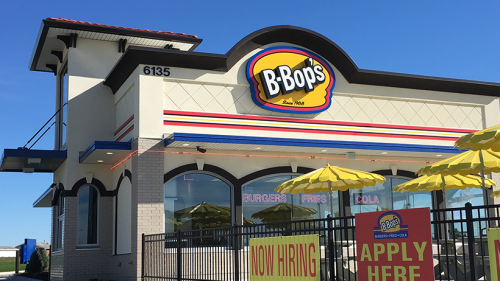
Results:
x,y
291,80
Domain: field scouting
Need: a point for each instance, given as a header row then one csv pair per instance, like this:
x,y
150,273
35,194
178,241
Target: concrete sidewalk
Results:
x,y
9,276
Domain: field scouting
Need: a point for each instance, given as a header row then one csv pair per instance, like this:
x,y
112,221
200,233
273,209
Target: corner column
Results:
x,y
147,193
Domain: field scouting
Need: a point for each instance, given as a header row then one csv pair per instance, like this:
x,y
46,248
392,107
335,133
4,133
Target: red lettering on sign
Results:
x,y
302,260
270,259
255,262
261,258
311,267
281,260
291,258
497,251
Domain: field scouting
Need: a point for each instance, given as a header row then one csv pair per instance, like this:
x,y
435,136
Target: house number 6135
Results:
x,y
156,70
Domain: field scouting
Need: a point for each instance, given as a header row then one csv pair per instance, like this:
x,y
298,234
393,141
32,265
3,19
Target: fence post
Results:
x,y
17,262
143,255
236,247
331,253
179,256
470,240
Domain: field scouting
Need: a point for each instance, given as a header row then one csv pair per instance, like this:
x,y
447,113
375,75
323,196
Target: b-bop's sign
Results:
x,y
292,80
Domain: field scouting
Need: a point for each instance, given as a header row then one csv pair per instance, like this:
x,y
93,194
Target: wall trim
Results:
x,y
273,171
401,173
82,182
125,174
309,39
60,191
206,168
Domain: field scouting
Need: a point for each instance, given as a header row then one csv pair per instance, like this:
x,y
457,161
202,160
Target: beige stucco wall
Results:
x,y
219,92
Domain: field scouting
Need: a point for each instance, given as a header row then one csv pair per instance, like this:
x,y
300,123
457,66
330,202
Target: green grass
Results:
x,y
8,264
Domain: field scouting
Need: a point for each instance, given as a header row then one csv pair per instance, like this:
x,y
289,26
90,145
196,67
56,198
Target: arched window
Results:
x,y
196,200
123,223
261,204
87,217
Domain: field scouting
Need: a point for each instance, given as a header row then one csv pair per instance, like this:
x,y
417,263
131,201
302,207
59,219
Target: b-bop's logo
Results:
x,y
389,226
292,80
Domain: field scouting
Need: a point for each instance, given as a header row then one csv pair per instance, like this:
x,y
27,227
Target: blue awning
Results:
x,y
315,146
32,160
105,152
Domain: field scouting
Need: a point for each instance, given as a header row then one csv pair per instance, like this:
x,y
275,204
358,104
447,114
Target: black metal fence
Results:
x,y
460,249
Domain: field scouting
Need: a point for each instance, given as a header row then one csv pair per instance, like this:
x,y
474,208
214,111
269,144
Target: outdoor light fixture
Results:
x,y
185,144
350,155
28,169
324,150
34,160
202,150
109,153
100,161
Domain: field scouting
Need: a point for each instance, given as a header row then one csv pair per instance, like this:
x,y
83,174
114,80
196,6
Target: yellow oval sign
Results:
x,y
390,223
292,80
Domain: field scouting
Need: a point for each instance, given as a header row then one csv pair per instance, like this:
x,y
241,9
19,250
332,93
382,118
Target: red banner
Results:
x,y
394,245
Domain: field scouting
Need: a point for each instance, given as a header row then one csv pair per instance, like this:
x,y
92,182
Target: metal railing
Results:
x,y
460,249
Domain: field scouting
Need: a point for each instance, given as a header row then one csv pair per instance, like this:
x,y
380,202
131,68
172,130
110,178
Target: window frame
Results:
x,y
61,119
97,244
59,224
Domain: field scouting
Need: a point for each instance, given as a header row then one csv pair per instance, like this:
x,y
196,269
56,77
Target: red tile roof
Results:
x,y
124,28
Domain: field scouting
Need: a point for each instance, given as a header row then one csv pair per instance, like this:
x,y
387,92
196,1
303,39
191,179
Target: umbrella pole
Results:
x,y
444,192
331,197
482,169
482,178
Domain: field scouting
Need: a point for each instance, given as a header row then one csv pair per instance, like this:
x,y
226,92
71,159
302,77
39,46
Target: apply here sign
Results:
x,y
394,245
285,258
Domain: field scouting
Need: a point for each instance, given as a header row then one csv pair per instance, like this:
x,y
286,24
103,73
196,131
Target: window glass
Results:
x,y
88,198
262,205
196,200
381,198
456,198
408,200
62,107
59,224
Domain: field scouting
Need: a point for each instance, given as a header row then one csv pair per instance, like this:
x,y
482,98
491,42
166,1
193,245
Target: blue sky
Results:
x,y
453,39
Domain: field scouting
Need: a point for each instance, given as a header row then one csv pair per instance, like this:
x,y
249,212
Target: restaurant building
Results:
x,y
152,136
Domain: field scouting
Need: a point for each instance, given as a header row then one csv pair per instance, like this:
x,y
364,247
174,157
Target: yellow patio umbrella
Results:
x,y
469,162
328,179
485,139
495,193
284,212
442,182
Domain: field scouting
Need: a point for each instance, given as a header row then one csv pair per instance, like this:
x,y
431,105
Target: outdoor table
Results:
x,y
453,257
345,258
